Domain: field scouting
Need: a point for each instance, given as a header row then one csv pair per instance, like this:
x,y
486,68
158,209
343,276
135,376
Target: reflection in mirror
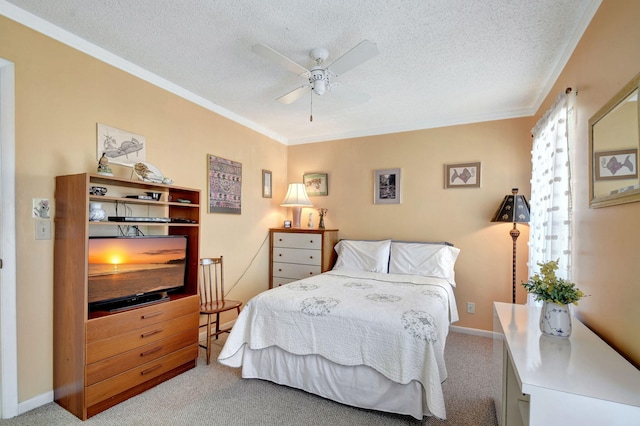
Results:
x,y
615,137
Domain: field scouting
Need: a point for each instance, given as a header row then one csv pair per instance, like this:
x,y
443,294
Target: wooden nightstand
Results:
x,y
297,253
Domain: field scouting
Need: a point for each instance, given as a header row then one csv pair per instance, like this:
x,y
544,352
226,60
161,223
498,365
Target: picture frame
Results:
x,y
387,186
120,146
224,185
266,184
316,184
619,164
287,224
462,175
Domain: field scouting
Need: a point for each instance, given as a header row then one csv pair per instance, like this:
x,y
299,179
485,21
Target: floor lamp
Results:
x,y
514,208
296,198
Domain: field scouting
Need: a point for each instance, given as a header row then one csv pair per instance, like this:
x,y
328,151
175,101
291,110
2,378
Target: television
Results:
x,y
126,272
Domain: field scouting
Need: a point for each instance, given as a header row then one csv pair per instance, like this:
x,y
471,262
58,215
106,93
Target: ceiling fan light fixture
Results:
x,y
319,87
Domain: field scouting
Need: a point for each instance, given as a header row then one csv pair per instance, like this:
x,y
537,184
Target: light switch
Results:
x,y
43,229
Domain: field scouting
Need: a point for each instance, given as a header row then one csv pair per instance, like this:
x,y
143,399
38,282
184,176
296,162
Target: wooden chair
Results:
x,y
212,301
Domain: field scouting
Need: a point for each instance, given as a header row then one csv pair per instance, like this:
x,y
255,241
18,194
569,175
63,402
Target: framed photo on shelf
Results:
x,y
266,184
386,186
316,184
620,164
463,175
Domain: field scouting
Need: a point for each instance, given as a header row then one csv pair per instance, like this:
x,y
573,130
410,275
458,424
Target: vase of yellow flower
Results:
x,y
556,295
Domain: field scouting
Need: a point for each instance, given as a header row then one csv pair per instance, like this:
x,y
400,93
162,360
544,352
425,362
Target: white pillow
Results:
x,y
369,256
429,260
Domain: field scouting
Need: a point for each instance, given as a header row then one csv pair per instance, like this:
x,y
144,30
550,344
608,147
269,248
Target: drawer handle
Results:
x,y
151,315
149,370
310,273
151,333
310,257
151,351
279,239
311,241
280,270
280,254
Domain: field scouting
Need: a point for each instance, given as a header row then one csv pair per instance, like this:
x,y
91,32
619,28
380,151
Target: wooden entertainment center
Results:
x,y
103,358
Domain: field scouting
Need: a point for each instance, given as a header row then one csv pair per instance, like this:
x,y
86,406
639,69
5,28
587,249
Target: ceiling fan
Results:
x,y
320,76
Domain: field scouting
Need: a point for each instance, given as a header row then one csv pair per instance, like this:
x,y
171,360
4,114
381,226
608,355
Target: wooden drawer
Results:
x,y
293,270
305,241
112,325
120,383
117,364
301,256
137,338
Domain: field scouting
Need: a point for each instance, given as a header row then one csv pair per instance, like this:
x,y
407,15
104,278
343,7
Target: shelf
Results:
x,y
108,199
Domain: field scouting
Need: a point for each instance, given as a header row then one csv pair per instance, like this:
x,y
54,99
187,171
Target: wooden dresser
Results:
x,y
547,381
101,358
297,253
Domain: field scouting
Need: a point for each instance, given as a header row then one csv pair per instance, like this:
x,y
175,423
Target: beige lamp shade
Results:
x,y
296,198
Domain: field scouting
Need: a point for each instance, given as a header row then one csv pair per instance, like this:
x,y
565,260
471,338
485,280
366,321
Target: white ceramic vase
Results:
x,y
96,213
555,320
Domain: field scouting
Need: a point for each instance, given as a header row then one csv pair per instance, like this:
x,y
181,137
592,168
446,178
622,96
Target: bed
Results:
x,y
369,333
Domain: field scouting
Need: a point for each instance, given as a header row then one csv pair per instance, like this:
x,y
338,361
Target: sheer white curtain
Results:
x,y
551,198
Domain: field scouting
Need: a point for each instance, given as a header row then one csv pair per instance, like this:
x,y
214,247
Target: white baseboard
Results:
x,y
473,331
35,402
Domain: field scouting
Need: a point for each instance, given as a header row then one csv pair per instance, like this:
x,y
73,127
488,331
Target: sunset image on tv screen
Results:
x,y
120,266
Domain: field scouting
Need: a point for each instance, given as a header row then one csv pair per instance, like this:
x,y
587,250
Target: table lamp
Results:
x,y
296,198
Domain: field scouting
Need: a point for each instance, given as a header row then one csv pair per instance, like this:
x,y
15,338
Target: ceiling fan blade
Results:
x,y
348,93
359,54
294,95
273,56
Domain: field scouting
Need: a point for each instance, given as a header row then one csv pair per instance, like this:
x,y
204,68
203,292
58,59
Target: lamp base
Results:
x,y
296,214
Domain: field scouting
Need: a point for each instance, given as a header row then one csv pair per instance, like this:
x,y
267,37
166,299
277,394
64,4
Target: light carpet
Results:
x,y
217,395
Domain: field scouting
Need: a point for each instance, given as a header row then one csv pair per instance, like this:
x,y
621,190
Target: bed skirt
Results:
x,y
358,386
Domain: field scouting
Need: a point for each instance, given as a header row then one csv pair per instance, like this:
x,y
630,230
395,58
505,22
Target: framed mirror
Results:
x,y
614,139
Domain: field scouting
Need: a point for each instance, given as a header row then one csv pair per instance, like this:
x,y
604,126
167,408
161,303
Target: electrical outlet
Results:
x,y
471,308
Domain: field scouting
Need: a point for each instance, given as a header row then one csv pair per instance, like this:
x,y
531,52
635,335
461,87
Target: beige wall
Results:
x,y
429,212
60,96
606,251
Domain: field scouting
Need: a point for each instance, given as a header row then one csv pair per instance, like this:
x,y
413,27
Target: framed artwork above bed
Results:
x,y
386,186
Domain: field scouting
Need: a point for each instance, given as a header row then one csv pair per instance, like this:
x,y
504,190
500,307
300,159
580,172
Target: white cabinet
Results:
x,y
300,253
547,381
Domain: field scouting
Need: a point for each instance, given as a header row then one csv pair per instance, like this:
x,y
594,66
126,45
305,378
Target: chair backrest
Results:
x,y
211,284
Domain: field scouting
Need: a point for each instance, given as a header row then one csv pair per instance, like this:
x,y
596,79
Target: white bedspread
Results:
x,y
395,324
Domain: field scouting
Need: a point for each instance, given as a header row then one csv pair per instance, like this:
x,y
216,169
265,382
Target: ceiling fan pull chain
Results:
x,y
311,113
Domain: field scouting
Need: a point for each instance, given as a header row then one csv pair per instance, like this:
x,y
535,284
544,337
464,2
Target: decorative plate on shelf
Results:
x,y
147,172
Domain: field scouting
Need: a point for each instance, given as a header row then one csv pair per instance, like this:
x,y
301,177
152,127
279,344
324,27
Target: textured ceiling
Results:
x,y
441,62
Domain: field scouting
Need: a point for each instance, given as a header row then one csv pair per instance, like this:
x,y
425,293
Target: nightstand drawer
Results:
x,y
292,240
293,270
301,256
278,281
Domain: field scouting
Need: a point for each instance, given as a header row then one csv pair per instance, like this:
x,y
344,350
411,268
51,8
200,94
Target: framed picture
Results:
x,y
266,184
120,146
316,184
287,224
225,185
620,164
464,175
386,186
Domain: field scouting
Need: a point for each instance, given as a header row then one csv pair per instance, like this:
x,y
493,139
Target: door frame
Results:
x,y
8,313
